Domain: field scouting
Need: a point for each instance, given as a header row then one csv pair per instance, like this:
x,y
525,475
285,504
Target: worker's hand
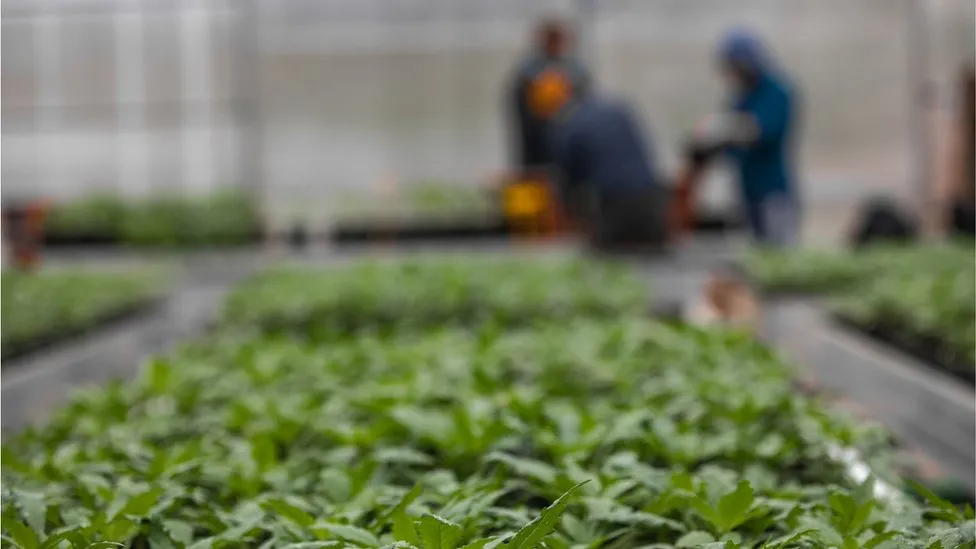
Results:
x,y
698,154
727,128
743,129
714,128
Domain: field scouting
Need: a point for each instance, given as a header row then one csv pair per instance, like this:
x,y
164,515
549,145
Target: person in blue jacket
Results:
x,y
600,151
760,138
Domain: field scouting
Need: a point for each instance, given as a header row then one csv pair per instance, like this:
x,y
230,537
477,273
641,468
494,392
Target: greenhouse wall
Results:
x,y
140,96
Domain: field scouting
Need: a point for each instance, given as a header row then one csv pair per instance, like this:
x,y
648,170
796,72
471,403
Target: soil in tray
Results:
x,y
55,338
929,350
413,231
114,241
59,240
419,231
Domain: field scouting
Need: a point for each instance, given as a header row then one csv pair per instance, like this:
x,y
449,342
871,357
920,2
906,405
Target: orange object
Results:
x,y
549,92
683,207
531,204
25,233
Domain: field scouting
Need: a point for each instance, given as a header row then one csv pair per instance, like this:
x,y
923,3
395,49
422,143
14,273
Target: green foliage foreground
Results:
x,y
580,432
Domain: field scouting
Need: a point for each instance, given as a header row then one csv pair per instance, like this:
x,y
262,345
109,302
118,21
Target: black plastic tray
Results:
x,y
357,233
928,350
113,241
61,240
58,337
40,383
926,409
362,232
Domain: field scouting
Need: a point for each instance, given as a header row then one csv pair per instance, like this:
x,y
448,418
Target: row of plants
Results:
x,y
420,293
581,429
824,271
931,313
921,298
223,218
40,308
420,200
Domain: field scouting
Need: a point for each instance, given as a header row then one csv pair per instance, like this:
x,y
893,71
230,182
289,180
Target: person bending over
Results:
x,y
605,167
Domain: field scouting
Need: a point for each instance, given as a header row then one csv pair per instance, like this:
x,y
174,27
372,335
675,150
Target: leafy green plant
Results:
x,y
398,295
48,305
419,200
919,293
574,430
817,271
226,217
99,216
935,304
456,438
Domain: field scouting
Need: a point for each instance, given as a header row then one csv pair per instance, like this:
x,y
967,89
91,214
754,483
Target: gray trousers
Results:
x,y
774,221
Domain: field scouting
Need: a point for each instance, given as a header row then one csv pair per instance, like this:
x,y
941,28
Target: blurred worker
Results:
x,y
757,132
597,145
552,54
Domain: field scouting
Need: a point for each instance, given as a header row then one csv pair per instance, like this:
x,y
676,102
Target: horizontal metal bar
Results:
x,y
157,116
33,9
175,105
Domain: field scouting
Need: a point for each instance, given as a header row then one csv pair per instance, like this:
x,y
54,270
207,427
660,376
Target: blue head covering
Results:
x,y
744,48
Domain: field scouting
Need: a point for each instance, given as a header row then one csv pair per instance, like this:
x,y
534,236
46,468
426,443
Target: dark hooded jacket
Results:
x,y
766,166
600,143
528,133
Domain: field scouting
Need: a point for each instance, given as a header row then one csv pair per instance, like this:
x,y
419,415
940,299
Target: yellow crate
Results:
x,y
526,199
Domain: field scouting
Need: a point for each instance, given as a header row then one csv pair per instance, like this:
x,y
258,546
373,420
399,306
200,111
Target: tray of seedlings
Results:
x,y
226,218
891,328
916,299
426,211
36,383
818,272
46,308
294,425
928,312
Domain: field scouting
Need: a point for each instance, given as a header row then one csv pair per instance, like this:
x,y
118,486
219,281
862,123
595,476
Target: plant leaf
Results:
x,y
289,512
733,508
880,538
438,533
140,505
532,534
932,498
20,533
694,539
347,532
530,468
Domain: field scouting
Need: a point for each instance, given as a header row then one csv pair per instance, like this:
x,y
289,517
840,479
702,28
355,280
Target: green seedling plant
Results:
x,y
924,292
825,271
423,294
49,304
462,426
